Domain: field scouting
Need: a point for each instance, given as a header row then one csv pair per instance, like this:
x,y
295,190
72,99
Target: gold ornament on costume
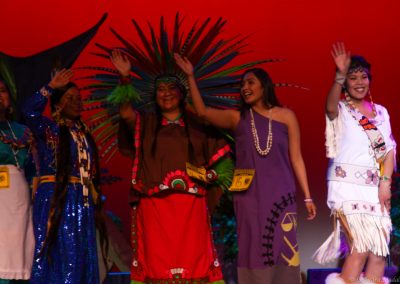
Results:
x,y
289,223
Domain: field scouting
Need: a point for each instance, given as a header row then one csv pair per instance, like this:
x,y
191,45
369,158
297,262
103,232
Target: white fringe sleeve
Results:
x,y
333,134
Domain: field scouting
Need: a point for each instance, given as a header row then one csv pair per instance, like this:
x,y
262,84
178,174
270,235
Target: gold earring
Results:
x,y
57,114
372,103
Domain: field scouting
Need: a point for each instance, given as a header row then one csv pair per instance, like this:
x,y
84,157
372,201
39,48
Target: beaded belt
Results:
x,y
71,179
362,207
367,176
45,179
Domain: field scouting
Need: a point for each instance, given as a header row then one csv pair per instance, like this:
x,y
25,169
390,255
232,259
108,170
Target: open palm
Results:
x,y
121,62
184,64
341,56
61,78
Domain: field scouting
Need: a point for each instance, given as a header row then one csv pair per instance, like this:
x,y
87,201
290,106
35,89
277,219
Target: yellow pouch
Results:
x,y
242,179
196,172
4,178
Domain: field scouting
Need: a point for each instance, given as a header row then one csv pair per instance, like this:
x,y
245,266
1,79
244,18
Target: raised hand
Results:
x,y
121,62
184,64
61,78
341,56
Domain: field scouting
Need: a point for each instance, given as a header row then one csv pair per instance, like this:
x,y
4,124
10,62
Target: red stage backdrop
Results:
x,y
301,32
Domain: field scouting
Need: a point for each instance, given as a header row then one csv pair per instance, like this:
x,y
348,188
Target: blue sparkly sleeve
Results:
x,y
33,111
30,169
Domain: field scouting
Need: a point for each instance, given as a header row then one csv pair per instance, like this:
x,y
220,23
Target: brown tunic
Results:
x,y
157,172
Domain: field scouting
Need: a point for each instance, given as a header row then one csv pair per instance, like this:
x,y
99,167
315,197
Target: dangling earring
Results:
x,y
372,103
57,115
10,110
348,99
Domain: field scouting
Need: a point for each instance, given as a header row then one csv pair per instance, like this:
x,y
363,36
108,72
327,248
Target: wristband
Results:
x,y
46,91
385,178
308,200
340,79
125,80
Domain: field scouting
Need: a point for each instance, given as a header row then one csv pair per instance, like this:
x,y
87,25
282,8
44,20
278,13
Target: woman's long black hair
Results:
x,y
63,172
269,97
9,111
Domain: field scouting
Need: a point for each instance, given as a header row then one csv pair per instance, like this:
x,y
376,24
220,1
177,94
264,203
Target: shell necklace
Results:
x,y
13,149
255,134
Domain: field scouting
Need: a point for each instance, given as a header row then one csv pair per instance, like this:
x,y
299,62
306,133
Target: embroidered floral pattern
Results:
x,y
219,154
136,268
340,172
179,121
19,143
177,180
364,207
372,177
178,273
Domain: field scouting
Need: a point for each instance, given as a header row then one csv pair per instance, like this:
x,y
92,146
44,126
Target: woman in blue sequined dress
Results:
x,y
67,205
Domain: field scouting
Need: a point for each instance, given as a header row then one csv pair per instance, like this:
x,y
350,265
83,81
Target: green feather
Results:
x,y
124,94
224,168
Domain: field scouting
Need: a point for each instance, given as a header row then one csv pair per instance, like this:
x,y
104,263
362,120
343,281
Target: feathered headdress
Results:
x,y
153,56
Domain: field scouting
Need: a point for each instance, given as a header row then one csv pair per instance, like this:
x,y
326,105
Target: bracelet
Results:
x,y
308,200
125,80
385,178
46,91
340,79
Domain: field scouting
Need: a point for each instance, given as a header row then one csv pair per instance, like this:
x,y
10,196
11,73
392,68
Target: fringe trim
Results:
x,y
332,135
370,233
365,232
330,249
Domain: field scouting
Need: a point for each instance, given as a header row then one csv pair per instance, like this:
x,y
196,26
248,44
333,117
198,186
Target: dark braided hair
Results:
x,y
63,172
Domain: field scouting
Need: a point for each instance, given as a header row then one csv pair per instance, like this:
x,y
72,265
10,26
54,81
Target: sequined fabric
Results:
x,y
73,258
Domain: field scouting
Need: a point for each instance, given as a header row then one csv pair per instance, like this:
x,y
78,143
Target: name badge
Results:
x,y
242,179
196,172
4,178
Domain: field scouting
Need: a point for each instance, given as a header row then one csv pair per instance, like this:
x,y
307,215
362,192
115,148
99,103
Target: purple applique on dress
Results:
x,y
340,172
372,177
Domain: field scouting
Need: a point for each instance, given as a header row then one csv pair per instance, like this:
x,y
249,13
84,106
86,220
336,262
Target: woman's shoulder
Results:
x,y
284,115
382,113
380,108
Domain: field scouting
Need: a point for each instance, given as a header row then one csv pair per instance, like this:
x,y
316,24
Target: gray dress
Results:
x,y
266,212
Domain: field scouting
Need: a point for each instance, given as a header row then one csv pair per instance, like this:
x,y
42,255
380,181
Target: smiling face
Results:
x,y
357,84
251,90
168,96
71,103
4,98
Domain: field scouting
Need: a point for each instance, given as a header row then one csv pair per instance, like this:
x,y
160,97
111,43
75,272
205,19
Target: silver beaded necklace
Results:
x,y
15,152
255,134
